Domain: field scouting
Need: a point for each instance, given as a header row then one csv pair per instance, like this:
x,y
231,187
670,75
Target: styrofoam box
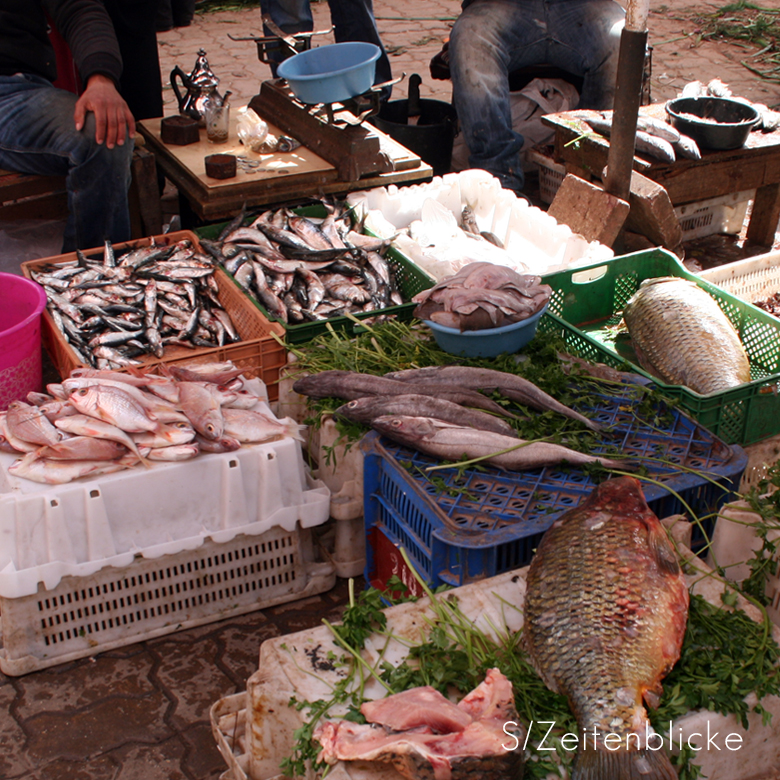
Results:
x,y
528,234
724,214
254,731
734,543
340,467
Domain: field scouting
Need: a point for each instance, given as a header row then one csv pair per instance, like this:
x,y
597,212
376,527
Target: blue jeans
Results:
x,y
38,136
353,20
493,38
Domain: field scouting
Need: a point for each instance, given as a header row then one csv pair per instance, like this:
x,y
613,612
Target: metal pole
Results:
x,y
628,95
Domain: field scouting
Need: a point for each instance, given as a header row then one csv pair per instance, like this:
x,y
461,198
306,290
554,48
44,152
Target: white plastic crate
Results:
x,y
551,174
754,279
108,538
725,214
117,606
254,730
735,541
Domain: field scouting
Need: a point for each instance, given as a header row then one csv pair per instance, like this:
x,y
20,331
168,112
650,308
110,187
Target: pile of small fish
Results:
x,y
440,411
98,421
682,336
113,309
771,305
653,136
302,269
482,295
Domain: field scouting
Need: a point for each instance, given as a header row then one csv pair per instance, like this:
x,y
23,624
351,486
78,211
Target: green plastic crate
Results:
x,y
587,304
411,280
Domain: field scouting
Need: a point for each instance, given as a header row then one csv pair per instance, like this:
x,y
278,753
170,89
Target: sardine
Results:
x,y
605,615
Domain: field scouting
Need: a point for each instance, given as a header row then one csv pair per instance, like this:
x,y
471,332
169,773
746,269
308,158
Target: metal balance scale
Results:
x,y
334,131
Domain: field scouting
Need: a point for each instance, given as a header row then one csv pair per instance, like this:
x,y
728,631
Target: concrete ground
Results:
x,y
141,712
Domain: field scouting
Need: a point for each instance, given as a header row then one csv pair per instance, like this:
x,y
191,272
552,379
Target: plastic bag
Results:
x,y
252,131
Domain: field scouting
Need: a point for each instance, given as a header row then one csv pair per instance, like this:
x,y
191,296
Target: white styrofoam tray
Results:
x,y
254,731
48,532
529,235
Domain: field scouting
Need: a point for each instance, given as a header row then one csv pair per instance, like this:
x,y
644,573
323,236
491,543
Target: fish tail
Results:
x,y
293,429
645,764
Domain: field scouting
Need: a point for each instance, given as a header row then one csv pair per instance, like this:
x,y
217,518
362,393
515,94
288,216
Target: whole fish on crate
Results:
x,y
98,422
302,269
605,616
113,309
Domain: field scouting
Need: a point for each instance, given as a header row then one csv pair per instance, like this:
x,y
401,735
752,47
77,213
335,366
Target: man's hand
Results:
x,y
113,120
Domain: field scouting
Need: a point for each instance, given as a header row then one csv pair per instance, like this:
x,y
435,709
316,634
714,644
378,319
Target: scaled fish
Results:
x,y
605,615
681,335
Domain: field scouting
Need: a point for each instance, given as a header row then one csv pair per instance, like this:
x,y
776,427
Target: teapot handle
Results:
x,y
185,81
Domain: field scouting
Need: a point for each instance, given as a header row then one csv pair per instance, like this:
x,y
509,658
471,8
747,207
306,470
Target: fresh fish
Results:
x,y
83,448
423,736
30,424
202,408
223,444
658,128
59,472
682,336
16,444
365,410
247,426
605,615
688,148
166,436
113,406
84,425
450,442
351,385
513,386
644,142
174,453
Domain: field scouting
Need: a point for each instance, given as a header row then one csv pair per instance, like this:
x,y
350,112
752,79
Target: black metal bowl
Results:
x,y
713,122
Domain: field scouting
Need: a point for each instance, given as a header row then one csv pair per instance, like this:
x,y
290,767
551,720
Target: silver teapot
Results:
x,y
201,85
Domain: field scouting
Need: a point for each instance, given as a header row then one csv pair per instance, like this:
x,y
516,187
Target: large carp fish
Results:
x,y
605,615
681,335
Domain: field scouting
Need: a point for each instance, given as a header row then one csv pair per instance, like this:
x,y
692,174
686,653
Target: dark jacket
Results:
x,y
85,25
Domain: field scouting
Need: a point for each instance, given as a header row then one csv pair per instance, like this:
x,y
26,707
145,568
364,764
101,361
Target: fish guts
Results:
x,y
681,335
605,616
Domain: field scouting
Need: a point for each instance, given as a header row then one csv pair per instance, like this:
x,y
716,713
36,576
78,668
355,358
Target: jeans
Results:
x,y
38,136
353,20
493,38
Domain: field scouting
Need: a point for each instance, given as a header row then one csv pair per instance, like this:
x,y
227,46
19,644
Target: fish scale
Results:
x,y
605,616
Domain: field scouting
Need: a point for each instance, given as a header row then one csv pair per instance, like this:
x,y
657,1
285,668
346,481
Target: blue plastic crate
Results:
x,y
491,521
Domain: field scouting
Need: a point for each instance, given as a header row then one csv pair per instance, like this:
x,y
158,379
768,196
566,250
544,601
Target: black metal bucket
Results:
x,y
431,136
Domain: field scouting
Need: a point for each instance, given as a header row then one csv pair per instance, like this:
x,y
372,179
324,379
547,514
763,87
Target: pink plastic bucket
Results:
x,y
21,304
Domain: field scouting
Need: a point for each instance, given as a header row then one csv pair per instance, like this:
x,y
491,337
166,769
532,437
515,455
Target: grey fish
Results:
x,y
681,335
449,442
365,410
350,385
512,386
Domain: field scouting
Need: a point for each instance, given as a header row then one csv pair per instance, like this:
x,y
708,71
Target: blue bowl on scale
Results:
x,y
331,74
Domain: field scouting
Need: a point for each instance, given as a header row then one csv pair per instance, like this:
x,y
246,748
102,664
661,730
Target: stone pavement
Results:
x,y
141,712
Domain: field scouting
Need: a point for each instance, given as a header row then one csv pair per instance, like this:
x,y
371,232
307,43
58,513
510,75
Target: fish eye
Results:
x,y
396,423
210,428
82,391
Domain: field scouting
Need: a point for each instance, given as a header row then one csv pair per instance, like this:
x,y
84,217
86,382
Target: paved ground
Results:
x,y
141,713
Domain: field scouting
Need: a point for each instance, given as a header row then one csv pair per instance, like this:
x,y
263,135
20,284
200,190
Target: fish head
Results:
x,y
404,429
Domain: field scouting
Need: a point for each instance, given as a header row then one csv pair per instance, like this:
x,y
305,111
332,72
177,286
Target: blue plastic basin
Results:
x,y
330,74
489,342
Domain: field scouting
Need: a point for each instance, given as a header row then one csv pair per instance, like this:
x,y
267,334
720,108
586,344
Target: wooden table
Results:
x,y
281,177
754,166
